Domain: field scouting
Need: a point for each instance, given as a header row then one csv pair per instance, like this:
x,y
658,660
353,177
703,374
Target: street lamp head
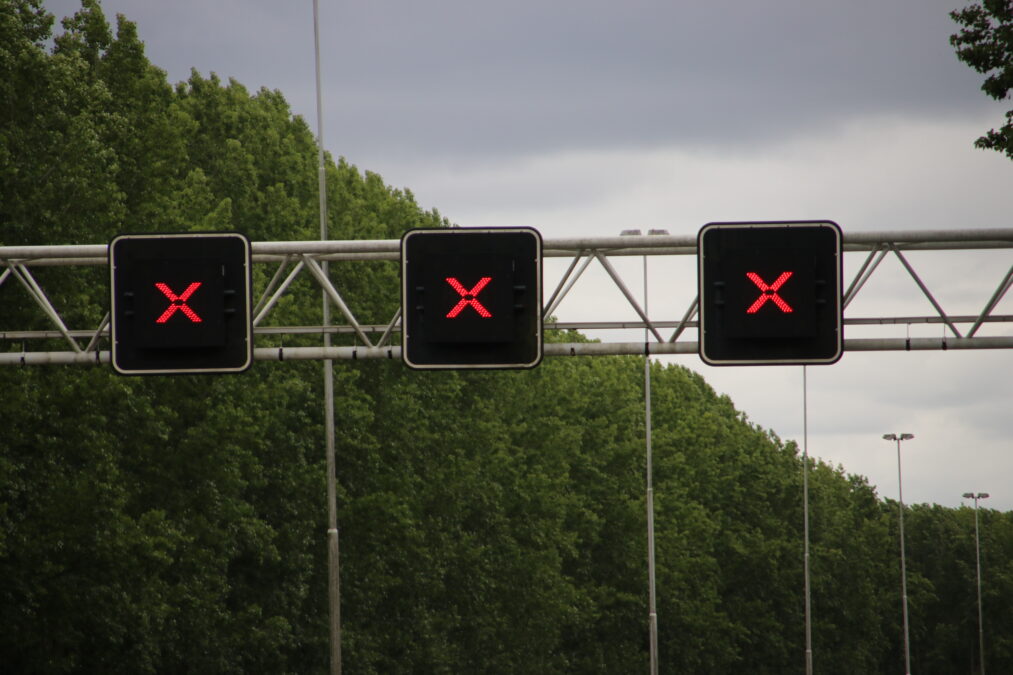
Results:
x,y
906,437
968,495
982,495
889,437
630,233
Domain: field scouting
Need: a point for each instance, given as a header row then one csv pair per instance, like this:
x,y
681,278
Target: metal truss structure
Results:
x,y
292,259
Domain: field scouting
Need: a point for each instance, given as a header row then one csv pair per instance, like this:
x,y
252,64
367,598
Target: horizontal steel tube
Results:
x,y
389,249
341,329
551,349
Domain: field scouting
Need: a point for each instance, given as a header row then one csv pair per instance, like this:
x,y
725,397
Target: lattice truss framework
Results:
x,y
293,260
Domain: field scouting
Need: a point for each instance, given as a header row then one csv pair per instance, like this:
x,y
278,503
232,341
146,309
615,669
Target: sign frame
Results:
x,y
514,341
815,336
224,341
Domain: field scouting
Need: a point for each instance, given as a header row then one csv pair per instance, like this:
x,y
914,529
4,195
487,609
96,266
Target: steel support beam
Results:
x,y
552,349
308,258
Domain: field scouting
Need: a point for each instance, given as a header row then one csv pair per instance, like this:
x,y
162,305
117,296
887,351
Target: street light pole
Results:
x,y
652,608
977,556
805,520
903,562
333,573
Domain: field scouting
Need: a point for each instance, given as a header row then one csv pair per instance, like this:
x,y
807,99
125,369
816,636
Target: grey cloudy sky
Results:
x,y
455,78
590,117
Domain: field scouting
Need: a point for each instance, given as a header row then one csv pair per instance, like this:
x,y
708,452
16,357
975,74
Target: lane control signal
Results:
x,y
180,303
471,298
770,293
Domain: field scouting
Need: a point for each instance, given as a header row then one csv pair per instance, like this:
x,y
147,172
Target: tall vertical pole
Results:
x,y
805,521
333,576
652,609
977,555
903,565
903,560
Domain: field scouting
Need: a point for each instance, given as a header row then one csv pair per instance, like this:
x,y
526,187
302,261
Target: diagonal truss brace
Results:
x,y
21,273
626,292
1000,291
573,274
925,290
314,267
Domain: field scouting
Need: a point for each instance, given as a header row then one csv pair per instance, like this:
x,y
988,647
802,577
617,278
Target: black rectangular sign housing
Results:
x,y
471,298
180,303
770,293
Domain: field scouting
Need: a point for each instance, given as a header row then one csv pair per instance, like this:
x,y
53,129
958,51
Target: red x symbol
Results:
x,y
468,297
178,302
769,292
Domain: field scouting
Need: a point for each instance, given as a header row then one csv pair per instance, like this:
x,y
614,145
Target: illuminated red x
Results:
x,y
178,302
468,297
769,292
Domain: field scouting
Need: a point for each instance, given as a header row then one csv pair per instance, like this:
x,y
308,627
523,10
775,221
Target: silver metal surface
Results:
x,y
322,274
554,349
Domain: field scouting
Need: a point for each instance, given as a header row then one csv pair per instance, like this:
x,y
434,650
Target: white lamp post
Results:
x,y
977,556
652,609
903,562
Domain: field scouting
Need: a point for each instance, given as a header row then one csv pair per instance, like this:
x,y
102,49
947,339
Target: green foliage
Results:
x,y
985,43
490,522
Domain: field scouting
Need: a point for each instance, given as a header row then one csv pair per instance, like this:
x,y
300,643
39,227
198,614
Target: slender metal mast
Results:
x,y
333,570
977,559
903,560
805,520
652,588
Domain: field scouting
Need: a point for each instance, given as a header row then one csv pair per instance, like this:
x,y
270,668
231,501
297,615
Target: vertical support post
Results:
x,y
333,575
903,560
652,609
977,559
903,567
805,521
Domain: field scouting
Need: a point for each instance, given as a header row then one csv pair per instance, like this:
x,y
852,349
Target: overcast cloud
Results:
x,y
455,78
590,117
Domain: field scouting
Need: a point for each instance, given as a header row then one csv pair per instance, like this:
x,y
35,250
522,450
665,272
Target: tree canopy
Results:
x,y
490,522
985,42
